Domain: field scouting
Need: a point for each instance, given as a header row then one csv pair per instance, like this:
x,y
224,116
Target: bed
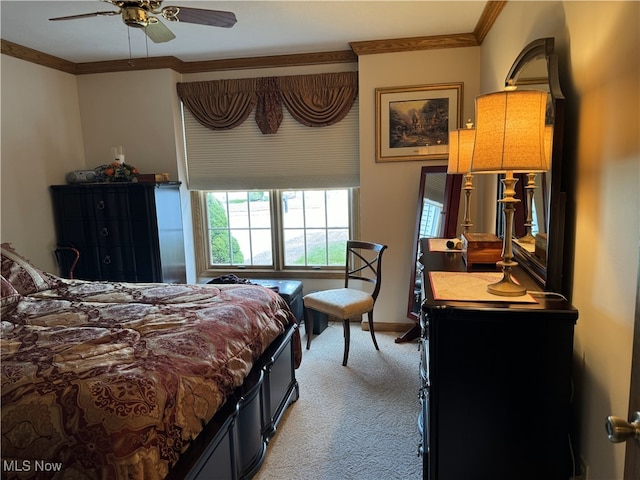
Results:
x,y
114,380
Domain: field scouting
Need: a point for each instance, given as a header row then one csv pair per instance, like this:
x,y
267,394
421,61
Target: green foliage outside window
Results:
x,y
219,236
318,255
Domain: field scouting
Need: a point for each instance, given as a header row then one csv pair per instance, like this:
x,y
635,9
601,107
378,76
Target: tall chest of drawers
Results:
x,y
496,386
124,231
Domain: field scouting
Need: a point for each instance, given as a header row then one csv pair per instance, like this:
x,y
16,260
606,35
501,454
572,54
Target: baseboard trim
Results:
x,y
387,326
398,327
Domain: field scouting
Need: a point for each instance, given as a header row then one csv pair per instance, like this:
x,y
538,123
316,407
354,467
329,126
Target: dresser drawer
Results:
x,y
112,232
116,264
108,202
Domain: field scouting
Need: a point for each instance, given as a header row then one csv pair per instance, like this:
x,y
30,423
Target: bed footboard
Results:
x,y
233,445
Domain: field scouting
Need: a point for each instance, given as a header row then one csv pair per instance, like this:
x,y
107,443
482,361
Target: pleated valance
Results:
x,y
319,100
222,104
312,100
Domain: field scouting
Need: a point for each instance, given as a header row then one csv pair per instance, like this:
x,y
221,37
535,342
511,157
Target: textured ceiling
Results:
x,y
263,28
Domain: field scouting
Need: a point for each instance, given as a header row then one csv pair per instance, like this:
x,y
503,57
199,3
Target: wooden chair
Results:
x,y
364,263
67,257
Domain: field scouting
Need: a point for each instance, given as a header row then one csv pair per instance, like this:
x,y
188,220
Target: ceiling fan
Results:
x,y
142,14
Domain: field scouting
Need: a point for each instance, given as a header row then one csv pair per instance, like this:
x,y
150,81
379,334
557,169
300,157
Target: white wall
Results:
x,y
133,109
605,67
389,191
598,42
41,142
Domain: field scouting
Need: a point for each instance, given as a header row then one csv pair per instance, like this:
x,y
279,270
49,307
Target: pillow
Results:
x,y
23,276
10,297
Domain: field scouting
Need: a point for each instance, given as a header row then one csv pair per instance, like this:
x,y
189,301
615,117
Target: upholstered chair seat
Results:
x,y
340,302
363,264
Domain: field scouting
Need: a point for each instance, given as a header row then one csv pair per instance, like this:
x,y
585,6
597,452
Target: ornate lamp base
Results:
x,y
506,287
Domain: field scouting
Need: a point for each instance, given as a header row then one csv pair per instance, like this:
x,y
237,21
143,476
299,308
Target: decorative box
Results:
x,y
481,249
153,177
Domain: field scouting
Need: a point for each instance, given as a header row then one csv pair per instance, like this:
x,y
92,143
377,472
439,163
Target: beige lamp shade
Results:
x,y
460,150
510,132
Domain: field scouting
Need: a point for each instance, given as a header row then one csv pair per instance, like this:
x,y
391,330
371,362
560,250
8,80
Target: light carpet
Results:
x,y
353,422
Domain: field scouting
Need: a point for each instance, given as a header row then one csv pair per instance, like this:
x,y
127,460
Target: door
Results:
x,y
632,457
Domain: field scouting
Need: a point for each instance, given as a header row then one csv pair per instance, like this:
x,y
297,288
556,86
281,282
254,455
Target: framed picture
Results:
x,y
413,123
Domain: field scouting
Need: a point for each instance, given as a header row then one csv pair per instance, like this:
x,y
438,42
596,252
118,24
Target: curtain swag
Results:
x,y
313,100
220,105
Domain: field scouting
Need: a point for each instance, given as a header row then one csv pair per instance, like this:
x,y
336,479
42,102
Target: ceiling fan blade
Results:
x,y
158,32
86,15
214,18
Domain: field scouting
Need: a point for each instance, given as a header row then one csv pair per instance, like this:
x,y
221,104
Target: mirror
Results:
x,y
537,68
436,217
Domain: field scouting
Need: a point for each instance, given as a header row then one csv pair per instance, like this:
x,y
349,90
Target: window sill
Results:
x,y
292,274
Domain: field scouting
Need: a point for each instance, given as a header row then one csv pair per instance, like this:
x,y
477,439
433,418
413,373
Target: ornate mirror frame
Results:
x,y
548,272
451,205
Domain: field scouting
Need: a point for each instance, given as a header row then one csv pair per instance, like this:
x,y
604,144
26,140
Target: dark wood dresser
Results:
x,y
124,231
496,386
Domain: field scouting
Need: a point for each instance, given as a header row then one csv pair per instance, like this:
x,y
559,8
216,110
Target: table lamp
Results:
x,y
531,186
460,151
509,138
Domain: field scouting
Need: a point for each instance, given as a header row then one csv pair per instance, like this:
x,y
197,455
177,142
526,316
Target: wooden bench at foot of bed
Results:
x,y
233,445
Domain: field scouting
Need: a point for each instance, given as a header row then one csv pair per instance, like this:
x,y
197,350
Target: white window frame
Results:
x,y
201,242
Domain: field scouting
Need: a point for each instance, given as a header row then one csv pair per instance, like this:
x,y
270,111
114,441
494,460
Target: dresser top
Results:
x,y
118,184
453,262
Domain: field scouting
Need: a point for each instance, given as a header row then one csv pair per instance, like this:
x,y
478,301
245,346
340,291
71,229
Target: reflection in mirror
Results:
x,y
436,217
537,68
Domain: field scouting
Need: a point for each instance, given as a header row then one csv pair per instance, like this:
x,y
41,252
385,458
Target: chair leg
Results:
x,y
308,325
347,337
373,333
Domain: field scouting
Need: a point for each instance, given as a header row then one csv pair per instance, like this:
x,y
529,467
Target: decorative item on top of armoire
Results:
x,y
153,177
117,172
82,176
123,231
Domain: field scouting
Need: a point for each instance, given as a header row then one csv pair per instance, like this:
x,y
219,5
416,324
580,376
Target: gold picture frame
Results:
x,y
413,122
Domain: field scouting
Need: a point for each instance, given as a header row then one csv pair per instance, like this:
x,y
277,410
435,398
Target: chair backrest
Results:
x,y
364,263
67,257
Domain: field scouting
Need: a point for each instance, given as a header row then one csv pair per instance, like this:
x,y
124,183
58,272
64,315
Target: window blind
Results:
x,y
296,157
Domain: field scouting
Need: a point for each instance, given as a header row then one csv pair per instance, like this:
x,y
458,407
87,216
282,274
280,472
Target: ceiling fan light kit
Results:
x,y
136,17
142,14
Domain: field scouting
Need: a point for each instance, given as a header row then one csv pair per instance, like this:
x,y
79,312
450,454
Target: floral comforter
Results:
x,y
113,380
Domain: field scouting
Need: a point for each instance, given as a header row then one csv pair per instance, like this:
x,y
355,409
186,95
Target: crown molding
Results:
x,y
394,45
489,15
342,56
34,56
173,63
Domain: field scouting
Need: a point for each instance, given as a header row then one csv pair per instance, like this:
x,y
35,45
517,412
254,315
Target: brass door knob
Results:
x,y
619,430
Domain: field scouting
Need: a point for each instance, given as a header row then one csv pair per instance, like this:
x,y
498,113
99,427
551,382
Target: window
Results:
x,y
274,230
315,227
431,221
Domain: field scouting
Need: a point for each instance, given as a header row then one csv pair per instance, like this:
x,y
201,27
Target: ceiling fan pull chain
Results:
x,y
146,44
131,62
